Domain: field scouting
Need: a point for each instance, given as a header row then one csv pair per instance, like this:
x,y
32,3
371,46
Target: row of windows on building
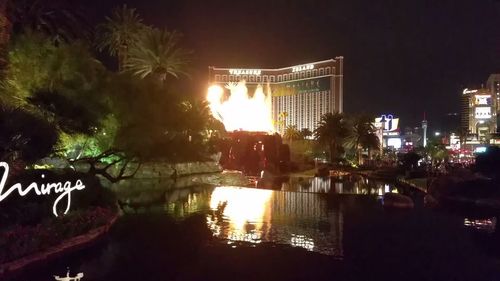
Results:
x,y
303,111
274,78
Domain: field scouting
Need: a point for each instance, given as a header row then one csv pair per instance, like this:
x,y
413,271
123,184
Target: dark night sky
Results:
x,y
402,56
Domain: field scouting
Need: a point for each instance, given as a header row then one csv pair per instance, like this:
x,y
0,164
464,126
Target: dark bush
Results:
x,y
25,136
488,163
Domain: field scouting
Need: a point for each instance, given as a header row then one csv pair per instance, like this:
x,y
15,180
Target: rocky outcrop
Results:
x,y
147,191
150,170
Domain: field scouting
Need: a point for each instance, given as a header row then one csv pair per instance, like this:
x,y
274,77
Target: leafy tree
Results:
x,y
61,20
24,136
63,84
119,32
436,151
157,54
76,146
332,130
30,58
305,133
38,64
72,115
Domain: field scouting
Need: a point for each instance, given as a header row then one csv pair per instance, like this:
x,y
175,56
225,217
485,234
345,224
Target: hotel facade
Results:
x,y
479,114
301,94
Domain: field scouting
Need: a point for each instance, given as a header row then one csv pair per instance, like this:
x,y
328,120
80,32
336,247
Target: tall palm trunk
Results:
x,y
5,30
122,57
333,151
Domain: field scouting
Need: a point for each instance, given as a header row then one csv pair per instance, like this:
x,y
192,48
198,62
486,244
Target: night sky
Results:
x,y
403,57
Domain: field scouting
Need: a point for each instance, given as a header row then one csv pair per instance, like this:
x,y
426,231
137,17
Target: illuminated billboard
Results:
x,y
482,113
482,99
390,123
394,142
302,87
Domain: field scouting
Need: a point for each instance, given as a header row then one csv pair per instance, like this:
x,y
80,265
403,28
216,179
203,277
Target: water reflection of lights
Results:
x,y
487,225
302,241
359,185
246,209
255,216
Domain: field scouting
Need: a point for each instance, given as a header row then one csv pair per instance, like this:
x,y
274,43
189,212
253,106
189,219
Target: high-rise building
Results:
x,y
301,94
479,113
493,85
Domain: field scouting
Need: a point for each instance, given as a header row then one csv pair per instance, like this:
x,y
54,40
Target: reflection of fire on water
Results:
x,y
240,111
246,210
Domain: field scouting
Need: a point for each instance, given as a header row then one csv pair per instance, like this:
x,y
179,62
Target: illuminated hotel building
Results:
x,y
300,94
479,113
493,85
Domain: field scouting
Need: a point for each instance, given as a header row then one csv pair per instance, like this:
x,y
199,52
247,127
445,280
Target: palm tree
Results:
x,y
332,129
305,133
157,54
120,31
362,135
371,142
5,27
291,133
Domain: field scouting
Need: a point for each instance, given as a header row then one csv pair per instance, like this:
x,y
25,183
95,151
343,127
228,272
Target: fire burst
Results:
x,y
240,111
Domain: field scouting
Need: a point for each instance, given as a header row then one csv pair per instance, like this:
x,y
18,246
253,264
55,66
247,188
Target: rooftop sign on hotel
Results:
x,y
244,71
303,67
467,91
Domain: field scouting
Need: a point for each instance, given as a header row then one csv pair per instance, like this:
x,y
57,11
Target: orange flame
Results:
x,y
240,111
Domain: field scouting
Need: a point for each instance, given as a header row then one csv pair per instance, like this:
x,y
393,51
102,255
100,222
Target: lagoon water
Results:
x,y
311,221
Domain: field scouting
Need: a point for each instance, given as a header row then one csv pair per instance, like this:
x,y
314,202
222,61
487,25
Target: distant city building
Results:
x,y
479,114
301,94
424,132
493,85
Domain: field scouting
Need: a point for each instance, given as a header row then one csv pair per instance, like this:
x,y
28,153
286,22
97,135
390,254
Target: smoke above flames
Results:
x,y
239,110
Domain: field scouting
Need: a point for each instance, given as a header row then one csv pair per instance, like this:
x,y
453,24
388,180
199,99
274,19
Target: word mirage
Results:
x,y
41,189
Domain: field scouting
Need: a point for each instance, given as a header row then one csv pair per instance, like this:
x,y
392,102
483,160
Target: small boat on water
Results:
x,y
78,277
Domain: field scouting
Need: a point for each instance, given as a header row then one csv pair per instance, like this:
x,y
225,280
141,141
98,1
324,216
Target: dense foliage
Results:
x,y
87,109
24,136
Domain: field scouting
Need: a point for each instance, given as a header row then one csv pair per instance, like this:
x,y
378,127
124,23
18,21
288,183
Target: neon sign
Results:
x,y
467,91
42,189
483,100
482,113
389,122
302,67
245,71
